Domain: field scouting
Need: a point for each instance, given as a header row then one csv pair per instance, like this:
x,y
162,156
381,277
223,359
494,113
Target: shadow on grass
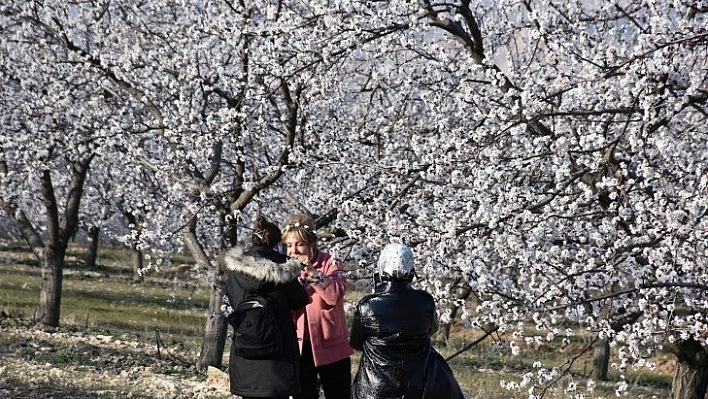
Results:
x,y
14,388
130,298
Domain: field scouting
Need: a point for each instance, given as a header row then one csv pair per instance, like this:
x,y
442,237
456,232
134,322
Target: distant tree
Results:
x,y
92,234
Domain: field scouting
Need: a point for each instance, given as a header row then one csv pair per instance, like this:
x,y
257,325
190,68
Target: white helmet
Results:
x,y
396,262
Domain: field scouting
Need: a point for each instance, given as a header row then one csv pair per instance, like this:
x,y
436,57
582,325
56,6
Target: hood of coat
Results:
x,y
261,268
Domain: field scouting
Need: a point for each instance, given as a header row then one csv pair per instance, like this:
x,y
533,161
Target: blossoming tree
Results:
x,y
207,100
550,155
553,155
51,115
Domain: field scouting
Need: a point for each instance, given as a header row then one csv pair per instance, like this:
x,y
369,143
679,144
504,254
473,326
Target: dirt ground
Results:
x,y
63,364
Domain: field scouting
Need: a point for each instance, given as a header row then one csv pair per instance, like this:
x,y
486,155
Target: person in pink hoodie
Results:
x,y
322,329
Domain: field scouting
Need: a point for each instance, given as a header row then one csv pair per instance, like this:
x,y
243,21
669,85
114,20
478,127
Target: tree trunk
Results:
x,y
59,229
691,375
50,296
214,341
212,352
444,330
601,360
443,334
137,256
460,290
92,254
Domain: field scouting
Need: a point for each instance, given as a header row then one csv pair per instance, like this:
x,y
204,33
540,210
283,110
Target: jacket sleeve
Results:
x,y
333,285
356,333
297,296
233,291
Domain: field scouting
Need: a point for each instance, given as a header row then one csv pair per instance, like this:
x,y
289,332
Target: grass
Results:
x,y
169,309
106,301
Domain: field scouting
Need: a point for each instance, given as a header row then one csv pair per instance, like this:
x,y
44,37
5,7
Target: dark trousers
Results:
x,y
335,378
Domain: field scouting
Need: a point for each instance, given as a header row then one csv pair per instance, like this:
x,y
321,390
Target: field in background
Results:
x,y
166,313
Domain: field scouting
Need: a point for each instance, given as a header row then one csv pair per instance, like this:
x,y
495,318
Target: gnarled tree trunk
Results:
x,y
212,351
691,375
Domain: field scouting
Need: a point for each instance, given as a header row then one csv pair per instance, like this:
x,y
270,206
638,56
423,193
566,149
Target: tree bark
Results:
x,y
690,379
59,230
601,360
212,352
137,256
52,278
92,254
53,259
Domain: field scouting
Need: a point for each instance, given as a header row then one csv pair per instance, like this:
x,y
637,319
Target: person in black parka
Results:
x,y
392,328
263,269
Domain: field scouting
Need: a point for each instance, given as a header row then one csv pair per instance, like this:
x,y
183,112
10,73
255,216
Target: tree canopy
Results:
x,y
551,154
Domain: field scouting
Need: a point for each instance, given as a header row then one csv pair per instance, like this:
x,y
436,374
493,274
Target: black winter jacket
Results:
x,y
392,328
265,270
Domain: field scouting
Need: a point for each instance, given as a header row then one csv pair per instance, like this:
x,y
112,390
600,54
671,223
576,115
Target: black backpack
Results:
x,y
257,333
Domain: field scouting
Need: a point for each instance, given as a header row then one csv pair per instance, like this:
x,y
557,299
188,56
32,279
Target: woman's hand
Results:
x,y
310,277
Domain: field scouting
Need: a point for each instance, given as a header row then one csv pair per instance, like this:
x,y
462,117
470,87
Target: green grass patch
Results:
x,y
19,290
105,298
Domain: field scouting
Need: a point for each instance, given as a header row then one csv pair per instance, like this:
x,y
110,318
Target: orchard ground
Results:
x,y
118,339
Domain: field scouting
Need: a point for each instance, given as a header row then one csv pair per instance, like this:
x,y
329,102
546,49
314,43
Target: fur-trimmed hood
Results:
x,y
261,268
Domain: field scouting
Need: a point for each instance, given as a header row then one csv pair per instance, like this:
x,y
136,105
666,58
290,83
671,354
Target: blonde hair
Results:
x,y
301,227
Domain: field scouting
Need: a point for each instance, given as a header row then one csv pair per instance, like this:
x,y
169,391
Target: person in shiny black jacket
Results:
x,y
392,328
261,268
